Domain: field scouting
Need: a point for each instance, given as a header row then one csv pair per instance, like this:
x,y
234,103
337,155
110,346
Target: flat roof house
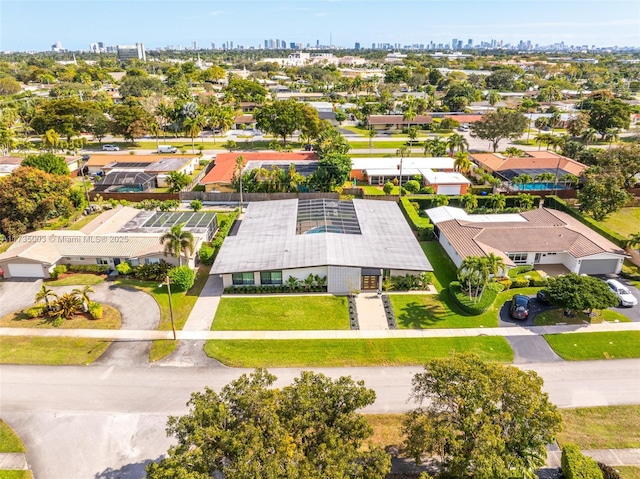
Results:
x,y
352,243
538,237
121,234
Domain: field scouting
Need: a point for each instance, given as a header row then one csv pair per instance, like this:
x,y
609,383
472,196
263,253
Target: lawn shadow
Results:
x,y
434,310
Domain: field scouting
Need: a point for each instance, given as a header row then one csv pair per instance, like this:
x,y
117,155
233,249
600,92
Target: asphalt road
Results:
x,y
108,422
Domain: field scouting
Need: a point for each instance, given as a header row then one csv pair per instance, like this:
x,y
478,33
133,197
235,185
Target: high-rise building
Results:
x,y
194,45
57,47
126,52
357,46
454,43
213,46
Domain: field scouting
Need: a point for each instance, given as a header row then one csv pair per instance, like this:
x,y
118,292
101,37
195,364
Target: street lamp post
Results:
x,y
173,326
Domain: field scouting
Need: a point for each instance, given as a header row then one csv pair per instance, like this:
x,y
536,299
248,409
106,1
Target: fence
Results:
x,y
247,197
198,177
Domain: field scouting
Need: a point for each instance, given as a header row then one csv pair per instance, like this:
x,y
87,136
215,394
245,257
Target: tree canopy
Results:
x,y
283,118
482,419
308,429
494,126
333,170
66,116
575,292
607,114
47,162
602,193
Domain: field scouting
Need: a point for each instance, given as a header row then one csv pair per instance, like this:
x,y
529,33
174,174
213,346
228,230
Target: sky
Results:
x,y
30,25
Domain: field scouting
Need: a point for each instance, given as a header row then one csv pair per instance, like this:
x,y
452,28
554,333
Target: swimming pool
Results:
x,y
323,229
537,186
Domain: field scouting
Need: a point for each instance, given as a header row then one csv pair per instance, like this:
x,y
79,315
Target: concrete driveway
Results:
x,y
138,309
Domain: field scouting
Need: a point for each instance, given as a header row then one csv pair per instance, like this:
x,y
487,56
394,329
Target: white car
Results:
x,y
110,148
622,292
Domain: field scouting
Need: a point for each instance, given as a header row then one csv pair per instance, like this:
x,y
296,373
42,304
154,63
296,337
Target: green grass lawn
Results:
x,y
79,279
629,472
585,346
16,475
5,246
624,222
183,303
83,221
610,427
9,440
444,271
352,352
424,311
111,319
533,274
51,351
362,144
555,316
282,313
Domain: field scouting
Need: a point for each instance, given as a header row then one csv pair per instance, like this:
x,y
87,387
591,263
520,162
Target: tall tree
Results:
x,y
480,419
249,430
66,116
178,242
48,162
192,127
281,118
177,181
130,121
607,114
331,141
494,126
575,292
457,141
603,193
333,170
461,162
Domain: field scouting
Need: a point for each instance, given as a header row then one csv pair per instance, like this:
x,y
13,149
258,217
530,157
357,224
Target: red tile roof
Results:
x,y
397,120
225,163
465,118
533,160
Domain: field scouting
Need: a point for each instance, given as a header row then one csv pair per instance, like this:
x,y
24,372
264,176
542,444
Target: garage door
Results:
x,y
598,266
25,270
449,189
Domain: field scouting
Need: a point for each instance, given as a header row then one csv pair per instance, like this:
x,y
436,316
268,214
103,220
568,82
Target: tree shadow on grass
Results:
x,y
431,311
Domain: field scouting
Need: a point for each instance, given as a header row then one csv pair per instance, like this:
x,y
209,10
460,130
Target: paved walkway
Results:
x,y
610,457
13,461
322,334
371,315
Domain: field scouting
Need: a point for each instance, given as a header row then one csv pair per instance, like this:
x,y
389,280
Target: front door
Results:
x,y
537,258
369,282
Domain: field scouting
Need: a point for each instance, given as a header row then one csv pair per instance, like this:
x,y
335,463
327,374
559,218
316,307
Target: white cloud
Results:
x,y
216,12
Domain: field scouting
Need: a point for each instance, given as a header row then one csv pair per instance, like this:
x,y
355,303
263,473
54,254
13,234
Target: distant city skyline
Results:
x,y
30,25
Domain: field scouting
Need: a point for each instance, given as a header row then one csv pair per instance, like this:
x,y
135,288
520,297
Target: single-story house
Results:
x,y
248,121
118,235
446,183
464,119
354,244
10,163
187,163
220,177
532,163
377,171
538,237
123,181
387,122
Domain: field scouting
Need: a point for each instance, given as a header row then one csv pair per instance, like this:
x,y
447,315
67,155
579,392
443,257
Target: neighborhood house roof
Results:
x,y
538,230
305,168
269,238
435,163
534,163
397,120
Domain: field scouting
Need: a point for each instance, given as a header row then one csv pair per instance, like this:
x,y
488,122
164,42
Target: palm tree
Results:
x,y
634,240
610,135
513,152
404,151
435,147
409,115
44,294
473,273
51,139
493,97
497,201
192,129
496,264
371,134
570,179
524,201
177,242
589,135
457,141
461,162
469,201
84,296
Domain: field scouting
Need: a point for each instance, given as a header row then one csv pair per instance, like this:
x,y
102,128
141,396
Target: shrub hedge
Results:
x,y
208,252
95,310
525,268
88,268
58,270
183,277
465,304
558,204
575,465
421,225
35,311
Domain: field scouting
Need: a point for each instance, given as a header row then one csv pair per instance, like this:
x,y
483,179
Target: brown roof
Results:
x,y
545,231
224,164
533,160
11,160
244,119
465,118
397,120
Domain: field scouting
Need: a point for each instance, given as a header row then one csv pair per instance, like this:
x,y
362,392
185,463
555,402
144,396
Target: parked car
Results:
x,y
167,149
622,292
110,148
463,127
541,296
520,307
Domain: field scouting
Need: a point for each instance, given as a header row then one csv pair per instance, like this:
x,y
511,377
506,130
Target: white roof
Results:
x,y
446,213
267,240
423,163
445,178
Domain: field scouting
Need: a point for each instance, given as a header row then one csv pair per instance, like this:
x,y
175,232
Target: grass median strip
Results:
x,y
610,427
51,351
281,313
585,346
351,352
556,316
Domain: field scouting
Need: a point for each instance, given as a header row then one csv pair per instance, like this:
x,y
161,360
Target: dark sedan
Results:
x,y
520,307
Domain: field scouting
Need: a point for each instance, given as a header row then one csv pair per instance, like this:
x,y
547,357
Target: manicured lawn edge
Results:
x,y
585,346
76,279
556,316
351,352
606,427
111,319
51,351
9,440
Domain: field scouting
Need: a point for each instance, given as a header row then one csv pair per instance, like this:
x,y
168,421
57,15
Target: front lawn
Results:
x,y
9,440
111,319
608,427
624,221
629,472
51,351
444,271
425,311
585,346
79,279
282,313
352,352
182,302
556,316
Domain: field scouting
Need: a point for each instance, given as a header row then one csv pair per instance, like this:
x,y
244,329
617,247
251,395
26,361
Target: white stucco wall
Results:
x,y
457,260
342,280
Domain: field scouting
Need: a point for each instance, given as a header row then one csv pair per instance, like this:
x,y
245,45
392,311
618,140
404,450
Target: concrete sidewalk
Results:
x,y
610,457
13,461
148,335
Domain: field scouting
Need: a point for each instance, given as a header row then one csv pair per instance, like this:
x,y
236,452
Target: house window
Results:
x,y
271,277
102,261
551,254
240,279
518,258
151,260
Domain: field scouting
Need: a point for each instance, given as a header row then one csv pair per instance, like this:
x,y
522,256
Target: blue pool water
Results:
x,y
323,229
537,186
